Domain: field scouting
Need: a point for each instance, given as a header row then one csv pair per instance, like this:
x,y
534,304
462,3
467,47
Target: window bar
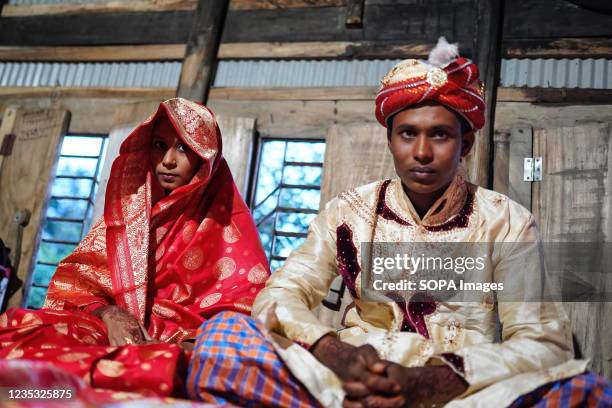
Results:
x,y
300,186
77,156
58,241
304,164
64,219
268,196
290,234
297,210
93,186
47,263
69,198
253,192
266,217
61,176
280,193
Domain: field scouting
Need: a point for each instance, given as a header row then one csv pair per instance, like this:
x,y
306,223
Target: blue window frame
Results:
x,y
287,193
68,216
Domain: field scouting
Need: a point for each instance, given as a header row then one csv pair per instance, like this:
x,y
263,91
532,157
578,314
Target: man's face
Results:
x,y
174,163
426,144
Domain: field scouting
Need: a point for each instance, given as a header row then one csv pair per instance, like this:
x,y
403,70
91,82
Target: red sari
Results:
x,y
172,263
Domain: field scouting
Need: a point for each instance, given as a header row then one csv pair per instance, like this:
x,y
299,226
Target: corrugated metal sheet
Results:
x,y
301,73
547,73
21,2
557,73
98,74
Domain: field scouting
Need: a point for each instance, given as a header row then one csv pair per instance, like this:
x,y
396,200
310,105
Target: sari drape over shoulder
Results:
x,y
171,261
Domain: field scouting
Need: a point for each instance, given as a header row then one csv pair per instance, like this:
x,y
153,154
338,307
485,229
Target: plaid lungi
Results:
x,y
585,390
233,363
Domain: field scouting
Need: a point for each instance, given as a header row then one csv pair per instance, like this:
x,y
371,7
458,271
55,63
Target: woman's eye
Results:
x,y
158,144
181,147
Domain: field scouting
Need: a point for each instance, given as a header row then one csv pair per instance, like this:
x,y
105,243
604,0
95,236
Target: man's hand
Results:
x,y
123,328
361,371
428,385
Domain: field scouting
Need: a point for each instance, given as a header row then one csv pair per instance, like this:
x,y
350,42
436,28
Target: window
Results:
x,y
287,193
70,209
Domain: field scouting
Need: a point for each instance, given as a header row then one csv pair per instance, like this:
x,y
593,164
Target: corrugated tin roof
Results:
x,y
95,74
557,73
21,2
547,73
301,73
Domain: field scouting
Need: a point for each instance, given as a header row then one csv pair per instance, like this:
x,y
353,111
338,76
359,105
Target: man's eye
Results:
x,y
408,134
440,134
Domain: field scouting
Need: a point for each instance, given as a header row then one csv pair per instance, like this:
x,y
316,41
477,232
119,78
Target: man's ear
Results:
x,y
467,141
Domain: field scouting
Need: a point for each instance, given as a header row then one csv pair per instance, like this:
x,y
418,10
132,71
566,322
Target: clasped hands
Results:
x,y
370,381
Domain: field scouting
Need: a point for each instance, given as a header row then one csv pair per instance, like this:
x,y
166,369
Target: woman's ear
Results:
x,y
467,141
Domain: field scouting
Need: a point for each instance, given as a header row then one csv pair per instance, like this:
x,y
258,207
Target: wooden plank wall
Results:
x,y
355,154
572,204
385,22
25,184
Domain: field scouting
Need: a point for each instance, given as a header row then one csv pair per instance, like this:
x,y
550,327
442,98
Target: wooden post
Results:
x,y
354,13
202,47
487,55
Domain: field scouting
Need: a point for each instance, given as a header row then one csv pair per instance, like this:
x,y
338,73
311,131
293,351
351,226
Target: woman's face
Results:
x,y
173,162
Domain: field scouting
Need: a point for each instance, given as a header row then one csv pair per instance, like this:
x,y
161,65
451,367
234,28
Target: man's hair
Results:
x,y
465,125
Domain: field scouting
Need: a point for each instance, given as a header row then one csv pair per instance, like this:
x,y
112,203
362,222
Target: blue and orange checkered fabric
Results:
x,y
233,363
586,390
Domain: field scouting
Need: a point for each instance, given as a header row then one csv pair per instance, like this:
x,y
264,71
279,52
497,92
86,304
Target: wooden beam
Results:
x,y
23,10
558,48
532,95
565,96
387,21
553,19
487,48
162,52
202,47
417,22
274,4
331,49
57,92
98,29
521,146
295,94
561,48
501,179
11,10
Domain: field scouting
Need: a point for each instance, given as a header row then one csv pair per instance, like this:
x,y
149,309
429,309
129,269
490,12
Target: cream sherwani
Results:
x,y
536,344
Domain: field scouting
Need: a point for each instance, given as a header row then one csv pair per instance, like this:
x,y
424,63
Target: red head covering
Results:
x,y
444,78
175,261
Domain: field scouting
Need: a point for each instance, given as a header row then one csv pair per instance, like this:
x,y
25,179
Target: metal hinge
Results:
x,y
532,169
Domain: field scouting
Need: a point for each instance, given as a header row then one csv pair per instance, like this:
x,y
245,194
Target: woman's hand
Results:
x,y
123,328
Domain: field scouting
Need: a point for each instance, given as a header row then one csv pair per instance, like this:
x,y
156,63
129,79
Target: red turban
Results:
x,y
444,78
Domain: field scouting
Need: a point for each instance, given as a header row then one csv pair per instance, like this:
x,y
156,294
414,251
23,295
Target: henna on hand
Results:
x,y
430,384
360,369
122,327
